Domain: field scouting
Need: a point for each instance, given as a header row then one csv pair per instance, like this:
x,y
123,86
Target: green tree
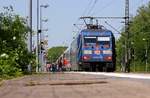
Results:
x,y
55,52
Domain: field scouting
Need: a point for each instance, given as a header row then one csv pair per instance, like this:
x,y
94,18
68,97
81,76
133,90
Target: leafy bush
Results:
x,y
13,38
9,68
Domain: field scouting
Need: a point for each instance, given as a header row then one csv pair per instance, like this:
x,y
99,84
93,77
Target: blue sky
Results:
x,y
62,14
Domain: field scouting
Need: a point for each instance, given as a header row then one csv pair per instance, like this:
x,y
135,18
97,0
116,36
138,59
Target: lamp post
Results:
x,y
133,54
123,68
41,29
30,34
146,49
42,6
30,23
38,31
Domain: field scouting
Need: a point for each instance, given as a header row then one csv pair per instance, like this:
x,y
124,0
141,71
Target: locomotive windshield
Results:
x,y
90,40
104,44
102,38
102,41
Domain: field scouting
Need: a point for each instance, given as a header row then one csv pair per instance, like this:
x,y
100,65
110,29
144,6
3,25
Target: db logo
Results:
x,y
97,51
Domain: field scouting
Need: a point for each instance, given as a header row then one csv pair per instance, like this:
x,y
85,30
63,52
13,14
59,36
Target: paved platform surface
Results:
x,y
75,85
121,75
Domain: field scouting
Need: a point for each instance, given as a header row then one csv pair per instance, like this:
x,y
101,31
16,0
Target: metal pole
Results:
x,y
41,60
146,54
127,49
37,48
41,37
41,18
30,25
30,35
134,59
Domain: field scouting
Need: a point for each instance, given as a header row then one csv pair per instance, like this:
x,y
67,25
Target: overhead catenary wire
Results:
x,y
87,8
113,27
103,7
92,7
85,11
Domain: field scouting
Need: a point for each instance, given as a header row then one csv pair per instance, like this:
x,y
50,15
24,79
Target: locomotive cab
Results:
x,y
97,49
93,50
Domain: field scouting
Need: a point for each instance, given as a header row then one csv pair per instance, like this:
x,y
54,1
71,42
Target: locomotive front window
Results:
x,y
104,44
90,39
104,41
102,38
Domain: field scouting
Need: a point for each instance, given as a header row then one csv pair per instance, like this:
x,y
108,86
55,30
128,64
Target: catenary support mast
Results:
x,y
127,40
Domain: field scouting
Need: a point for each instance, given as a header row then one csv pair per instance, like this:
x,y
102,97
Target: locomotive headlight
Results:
x,y
87,52
107,52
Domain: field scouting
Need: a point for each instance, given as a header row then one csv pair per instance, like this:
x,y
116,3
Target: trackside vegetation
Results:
x,y
14,54
55,52
139,41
